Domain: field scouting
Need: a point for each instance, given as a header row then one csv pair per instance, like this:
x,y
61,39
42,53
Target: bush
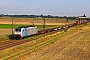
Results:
x,y
65,30
4,37
11,37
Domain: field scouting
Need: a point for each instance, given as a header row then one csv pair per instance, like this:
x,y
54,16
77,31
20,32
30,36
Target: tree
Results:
x,y
2,15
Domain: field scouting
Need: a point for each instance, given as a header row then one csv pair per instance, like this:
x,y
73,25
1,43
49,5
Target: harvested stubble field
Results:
x,y
71,45
38,21
5,31
66,50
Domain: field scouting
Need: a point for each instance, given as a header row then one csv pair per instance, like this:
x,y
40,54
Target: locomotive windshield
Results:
x,y
18,29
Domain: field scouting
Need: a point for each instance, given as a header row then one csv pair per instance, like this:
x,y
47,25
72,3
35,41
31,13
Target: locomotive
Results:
x,y
25,31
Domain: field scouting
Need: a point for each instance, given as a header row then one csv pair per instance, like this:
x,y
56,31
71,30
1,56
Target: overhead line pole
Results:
x,y
12,27
44,26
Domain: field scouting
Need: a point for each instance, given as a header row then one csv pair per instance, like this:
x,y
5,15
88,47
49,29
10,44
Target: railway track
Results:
x,y
12,43
5,45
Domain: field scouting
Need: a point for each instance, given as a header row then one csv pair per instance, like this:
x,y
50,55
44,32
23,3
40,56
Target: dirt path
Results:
x,y
76,47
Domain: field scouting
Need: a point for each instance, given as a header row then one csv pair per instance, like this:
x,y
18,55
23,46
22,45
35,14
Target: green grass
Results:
x,y
9,26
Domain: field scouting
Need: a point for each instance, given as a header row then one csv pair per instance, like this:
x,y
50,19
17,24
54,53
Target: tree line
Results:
x,y
39,16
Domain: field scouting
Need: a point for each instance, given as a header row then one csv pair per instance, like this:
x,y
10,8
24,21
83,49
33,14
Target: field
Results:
x,y
37,21
73,49
6,23
74,44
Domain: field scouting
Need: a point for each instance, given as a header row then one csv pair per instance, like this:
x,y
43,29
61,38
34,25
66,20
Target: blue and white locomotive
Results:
x,y
25,31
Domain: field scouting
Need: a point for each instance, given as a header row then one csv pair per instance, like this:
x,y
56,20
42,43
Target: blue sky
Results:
x,y
46,7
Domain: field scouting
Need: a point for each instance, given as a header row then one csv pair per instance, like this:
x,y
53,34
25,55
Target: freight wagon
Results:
x,y
88,20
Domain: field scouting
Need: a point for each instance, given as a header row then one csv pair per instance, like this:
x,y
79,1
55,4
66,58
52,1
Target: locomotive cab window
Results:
x,y
18,30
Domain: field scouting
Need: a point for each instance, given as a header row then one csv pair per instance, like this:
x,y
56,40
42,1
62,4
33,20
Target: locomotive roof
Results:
x,y
26,26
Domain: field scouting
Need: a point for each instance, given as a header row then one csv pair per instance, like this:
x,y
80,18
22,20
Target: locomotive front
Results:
x,y
17,33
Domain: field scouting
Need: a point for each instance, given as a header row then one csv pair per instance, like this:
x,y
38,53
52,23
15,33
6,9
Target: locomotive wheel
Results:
x,y
17,38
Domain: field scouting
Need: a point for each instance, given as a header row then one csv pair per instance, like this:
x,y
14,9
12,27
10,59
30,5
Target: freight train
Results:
x,y
25,31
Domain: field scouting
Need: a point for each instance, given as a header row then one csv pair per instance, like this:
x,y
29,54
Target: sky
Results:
x,y
46,7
